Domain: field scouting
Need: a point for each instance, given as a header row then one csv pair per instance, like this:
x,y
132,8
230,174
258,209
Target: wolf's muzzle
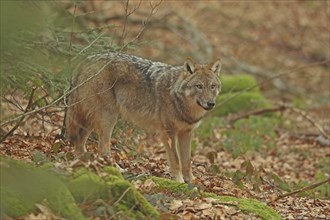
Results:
x,y
209,105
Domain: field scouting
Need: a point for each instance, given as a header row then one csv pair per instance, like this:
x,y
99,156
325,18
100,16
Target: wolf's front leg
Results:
x,y
185,155
173,158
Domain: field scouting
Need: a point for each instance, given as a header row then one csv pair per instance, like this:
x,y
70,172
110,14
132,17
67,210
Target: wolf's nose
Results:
x,y
210,104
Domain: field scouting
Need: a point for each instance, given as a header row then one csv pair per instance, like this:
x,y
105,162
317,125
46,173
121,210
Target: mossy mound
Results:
x,y
236,83
244,204
106,194
119,197
22,186
86,186
237,102
239,93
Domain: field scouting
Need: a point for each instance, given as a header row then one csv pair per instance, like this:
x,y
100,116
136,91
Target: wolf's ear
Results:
x,y
189,65
216,66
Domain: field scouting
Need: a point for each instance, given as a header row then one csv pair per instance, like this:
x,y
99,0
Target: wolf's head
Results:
x,y
200,84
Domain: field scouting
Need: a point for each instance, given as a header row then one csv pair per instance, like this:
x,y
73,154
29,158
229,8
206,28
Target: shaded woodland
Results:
x,y
262,153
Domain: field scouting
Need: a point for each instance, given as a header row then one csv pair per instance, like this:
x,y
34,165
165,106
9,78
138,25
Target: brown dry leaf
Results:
x,y
148,185
201,206
176,204
140,148
32,216
230,210
189,216
129,132
167,216
209,213
47,212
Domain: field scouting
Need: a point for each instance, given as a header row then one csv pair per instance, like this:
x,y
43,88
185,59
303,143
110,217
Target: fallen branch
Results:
x,y
121,197
256,112
313,186
311,120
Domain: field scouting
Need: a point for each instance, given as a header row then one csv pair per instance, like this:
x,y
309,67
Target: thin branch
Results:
x,y
58,99
310,187
121,197
73,23
91,96
311,120
88,46
13,102
257,112
22,118
63,97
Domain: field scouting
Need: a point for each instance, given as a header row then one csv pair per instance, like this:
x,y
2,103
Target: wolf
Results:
x,y
163,99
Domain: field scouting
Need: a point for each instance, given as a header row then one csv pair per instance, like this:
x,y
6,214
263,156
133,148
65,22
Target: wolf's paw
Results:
x,y
189,179
179,178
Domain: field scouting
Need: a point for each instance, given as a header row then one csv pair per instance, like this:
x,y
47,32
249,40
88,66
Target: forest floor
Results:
x,y
297,158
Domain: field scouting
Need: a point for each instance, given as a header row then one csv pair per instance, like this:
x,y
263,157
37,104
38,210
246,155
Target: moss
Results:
x,y
174,186
22,186
124,198
244,204
113,171
146,207
131,201
14,204
235,102
238,83
86,186
249,205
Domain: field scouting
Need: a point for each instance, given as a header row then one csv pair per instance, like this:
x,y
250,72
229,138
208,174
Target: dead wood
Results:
x,y
310,187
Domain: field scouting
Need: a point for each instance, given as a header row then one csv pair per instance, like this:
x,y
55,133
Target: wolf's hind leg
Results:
x,y
104,128
79,139
77,131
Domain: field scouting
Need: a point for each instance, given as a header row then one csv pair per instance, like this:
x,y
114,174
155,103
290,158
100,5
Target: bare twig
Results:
x,y
257,112
62,97
22,118
73,24
13,102
121,197
311,120
281,107
128,12
91,96
310,187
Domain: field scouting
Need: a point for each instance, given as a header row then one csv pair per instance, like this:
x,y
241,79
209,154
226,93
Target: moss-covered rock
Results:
x,y
238,83
174,186
118,193
236,102
22,186
249,205
86,186
239,93
129,201
244,204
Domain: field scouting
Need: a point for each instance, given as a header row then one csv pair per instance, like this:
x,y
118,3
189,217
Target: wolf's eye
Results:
x,y
199,86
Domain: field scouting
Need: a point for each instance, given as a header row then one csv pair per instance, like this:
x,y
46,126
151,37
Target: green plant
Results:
x,y
250,134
